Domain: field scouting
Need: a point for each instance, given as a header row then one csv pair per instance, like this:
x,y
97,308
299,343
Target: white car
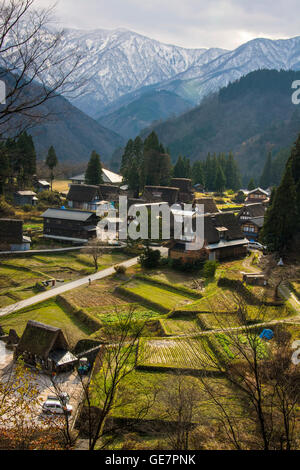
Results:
x,y
256,246
55,407
63,397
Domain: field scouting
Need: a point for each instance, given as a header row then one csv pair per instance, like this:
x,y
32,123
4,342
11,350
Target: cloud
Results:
x,y
188,23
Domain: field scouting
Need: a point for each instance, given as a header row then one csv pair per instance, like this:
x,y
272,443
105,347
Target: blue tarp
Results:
x,y
267,334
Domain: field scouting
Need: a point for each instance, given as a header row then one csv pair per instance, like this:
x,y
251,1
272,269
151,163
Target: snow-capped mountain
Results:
x,y
119,62
200,80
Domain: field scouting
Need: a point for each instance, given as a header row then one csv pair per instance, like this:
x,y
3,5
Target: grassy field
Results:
x,y
180,326
141,386
159,295
27,270
175,353
61,185
50,313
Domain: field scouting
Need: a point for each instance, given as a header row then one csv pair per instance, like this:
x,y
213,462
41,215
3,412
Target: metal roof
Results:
x,y
67,214
225,243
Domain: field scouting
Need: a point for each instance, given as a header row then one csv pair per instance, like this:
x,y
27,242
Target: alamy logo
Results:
x,y
186,224
2,92
296,94
296,354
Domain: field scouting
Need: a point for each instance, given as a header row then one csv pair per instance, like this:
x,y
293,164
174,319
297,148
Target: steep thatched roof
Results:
x,y
40,339
253,210
161,194
209,204
83,193
224,221
11,231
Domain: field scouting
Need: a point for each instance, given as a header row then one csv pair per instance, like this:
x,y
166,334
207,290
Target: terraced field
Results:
x,y
175,353
51,313
176,326
159,295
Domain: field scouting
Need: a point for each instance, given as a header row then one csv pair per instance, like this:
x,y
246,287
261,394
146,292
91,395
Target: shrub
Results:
x,y
120,269
5,208
209,269
186,266
150,258
239,198
27,208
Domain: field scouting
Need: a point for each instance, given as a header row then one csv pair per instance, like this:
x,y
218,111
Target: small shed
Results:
x,y
24,198
42,185
254,279
45,346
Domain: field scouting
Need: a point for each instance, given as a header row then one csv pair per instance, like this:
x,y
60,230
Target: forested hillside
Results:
x,y
250,117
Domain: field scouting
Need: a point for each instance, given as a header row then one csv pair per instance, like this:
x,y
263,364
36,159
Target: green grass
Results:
x,y
192,353
111,314
167,299
50,313
180,326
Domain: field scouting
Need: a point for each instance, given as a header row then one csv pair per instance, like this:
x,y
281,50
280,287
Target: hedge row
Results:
x,y
84,317
171,287
138,298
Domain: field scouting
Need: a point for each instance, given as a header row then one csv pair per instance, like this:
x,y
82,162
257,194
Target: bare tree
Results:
x,y
35,66
263,380
180,398
94,248
117,360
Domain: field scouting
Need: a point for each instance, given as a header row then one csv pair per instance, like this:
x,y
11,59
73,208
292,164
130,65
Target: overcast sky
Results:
x,y
187,23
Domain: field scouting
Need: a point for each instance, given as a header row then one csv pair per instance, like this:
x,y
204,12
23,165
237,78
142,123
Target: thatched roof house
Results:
x,y
83,196
209,204
223,238
45,345
186,192
109,192
11,236
161,194
252,210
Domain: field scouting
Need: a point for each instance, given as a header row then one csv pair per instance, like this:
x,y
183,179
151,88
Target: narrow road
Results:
x,y
290,297
64,288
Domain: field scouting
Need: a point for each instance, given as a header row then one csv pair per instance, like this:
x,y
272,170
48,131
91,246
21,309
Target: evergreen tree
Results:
x,y
93,174
51,162
232,173
266,179
198,173
279,226
179,169
152,143
220,180
251,185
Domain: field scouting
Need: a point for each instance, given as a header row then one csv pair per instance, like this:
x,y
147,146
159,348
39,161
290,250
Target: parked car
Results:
x,y
56,407
63,397
256,246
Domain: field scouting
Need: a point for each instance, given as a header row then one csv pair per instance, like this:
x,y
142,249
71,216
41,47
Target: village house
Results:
x,y
186,192
41,185
11,236
251,218
161,194
70,225
84,197
223,239
252,227
108,177
109,192
45,346
257,195
24,198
